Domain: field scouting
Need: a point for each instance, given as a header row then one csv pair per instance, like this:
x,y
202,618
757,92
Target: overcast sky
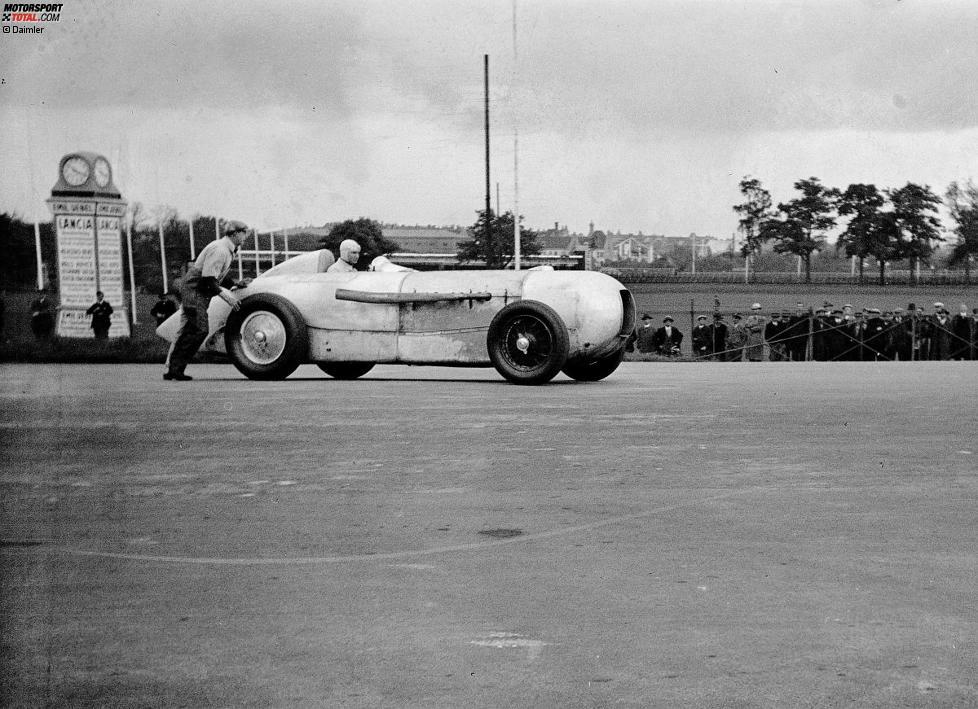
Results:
x,y
635,115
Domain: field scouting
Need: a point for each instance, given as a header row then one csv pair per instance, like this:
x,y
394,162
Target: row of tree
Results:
x,y
888,225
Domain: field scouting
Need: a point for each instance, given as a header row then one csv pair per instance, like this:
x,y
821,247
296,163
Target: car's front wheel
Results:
x,y
528,342
266,337
345,370
593,370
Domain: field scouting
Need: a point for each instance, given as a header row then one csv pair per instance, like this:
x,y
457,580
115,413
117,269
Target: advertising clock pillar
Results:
x,y
88,215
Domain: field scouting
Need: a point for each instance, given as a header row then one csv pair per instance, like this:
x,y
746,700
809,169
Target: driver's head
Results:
x,y
350,251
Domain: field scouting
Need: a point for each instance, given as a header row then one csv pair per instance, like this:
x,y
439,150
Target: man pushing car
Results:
x,y
203,282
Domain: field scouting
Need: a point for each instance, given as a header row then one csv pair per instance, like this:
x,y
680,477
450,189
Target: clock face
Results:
x,y
103,173
75,171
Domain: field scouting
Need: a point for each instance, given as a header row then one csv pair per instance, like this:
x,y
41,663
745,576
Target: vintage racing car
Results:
x,y
528,324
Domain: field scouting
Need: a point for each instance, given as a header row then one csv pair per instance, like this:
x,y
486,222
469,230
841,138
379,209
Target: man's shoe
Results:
x,y
177,377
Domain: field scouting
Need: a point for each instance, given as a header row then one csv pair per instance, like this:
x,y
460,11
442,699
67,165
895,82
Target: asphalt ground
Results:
x,y
680,534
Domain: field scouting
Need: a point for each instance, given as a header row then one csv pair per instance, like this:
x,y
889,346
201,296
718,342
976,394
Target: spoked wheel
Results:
x,y
345,370
266,338
595,369
528,342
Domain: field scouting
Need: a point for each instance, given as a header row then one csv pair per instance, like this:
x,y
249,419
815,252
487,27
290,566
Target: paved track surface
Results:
x,y
680,534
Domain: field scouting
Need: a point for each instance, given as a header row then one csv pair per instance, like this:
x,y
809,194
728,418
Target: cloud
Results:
x,y
637,115
742,67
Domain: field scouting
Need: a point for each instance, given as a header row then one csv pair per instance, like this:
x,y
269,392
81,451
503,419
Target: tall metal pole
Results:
x,y
159,227
132,271
257,265
489,250
37,252
516,159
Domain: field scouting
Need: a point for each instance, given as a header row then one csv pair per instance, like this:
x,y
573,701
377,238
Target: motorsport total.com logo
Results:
x,y
33,13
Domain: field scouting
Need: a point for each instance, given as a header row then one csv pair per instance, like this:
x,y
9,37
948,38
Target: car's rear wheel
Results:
x,y
266,337
593,370
528,342
345,370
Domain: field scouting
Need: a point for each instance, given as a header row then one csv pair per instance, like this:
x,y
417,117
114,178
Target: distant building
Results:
x,y
426,239
560,242
646,248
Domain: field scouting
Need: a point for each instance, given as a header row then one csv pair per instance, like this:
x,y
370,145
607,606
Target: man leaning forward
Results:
x,y
203,282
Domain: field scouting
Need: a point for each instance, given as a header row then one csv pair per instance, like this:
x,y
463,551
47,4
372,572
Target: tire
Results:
x,y
596,369
345,370
266,338
528,342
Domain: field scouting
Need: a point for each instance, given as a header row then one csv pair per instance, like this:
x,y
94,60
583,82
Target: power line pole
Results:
x,y
485,59
516,158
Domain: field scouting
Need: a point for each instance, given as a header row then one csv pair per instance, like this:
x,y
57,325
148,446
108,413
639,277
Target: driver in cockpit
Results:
x,y
349,255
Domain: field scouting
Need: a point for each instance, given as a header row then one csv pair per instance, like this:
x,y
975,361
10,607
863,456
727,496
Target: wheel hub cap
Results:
x,y
263,337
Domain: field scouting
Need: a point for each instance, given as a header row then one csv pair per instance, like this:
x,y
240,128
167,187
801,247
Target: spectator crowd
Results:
x,y
824,334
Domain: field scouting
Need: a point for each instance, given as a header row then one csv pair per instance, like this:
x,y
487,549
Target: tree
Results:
x,y
365,232
962,200
494,245
804,221
871,231
18,267
754,212
915,209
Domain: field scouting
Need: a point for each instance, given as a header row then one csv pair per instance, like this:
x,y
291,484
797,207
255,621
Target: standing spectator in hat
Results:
x,y
848,312
668,339
644,336
736,339
874,336
838,344
163,309
961,327
974,334
42,315
942,336
820,333
923,328
901,336
851,332
718,338
702,339
774,335
853,324
101,314
853,336
889,328
203,282
754,325
796,333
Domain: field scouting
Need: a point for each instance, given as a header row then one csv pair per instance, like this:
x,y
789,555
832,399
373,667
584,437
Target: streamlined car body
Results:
x,y
528,324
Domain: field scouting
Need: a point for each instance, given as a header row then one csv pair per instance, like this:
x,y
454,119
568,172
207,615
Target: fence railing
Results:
x,y
898,277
